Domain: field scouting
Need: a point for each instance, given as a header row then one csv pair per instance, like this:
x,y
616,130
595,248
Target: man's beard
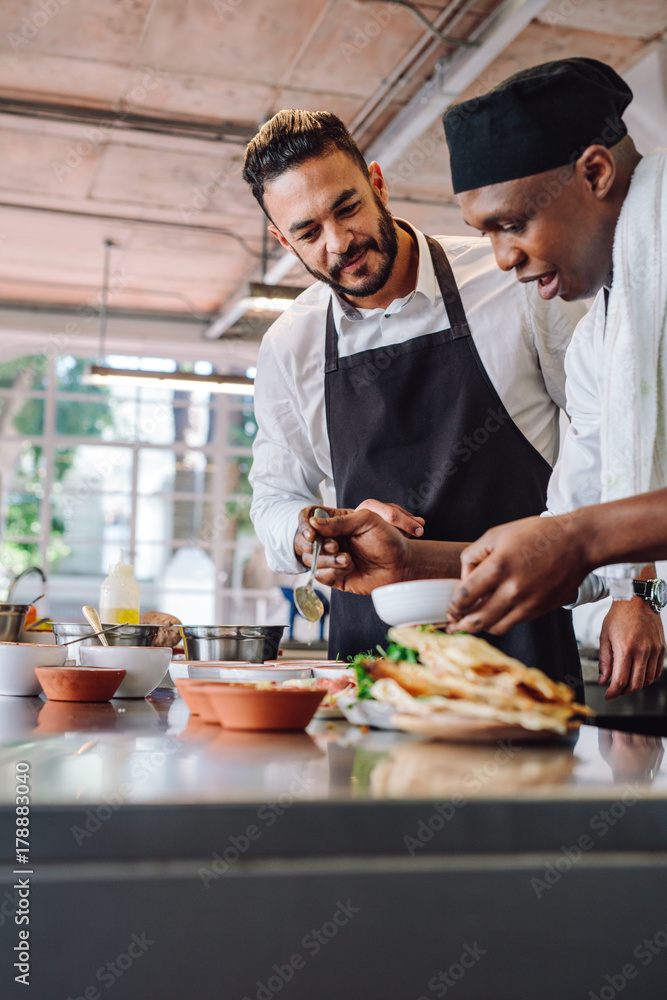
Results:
x,y
386,245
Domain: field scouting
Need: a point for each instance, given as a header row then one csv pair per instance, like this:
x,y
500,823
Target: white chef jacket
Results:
x,y
521,341
576,479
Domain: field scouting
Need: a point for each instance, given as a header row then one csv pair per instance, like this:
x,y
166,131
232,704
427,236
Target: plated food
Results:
x,y
459,687
332,687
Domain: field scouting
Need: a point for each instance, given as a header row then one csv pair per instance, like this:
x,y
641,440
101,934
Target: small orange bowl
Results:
x,y
68,717
196,699
79,683
242,706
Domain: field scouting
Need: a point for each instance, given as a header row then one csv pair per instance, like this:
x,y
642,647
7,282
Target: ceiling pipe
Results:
x,y
453,76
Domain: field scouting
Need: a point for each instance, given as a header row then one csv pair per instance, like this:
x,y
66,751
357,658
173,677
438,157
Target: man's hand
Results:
x,y
409,524
375,552
305,536
516,572
632,647
406,522
631,756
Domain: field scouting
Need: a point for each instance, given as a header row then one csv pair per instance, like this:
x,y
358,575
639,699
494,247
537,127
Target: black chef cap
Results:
x,y
536,120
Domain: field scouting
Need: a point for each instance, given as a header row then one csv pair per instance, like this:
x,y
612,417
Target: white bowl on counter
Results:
x,y
415,602
145,666
17,666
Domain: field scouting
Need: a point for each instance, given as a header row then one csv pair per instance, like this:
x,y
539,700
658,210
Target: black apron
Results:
x,y
421,425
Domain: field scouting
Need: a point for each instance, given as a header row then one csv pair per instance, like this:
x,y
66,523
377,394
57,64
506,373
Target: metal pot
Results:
x,y
252,643
12,620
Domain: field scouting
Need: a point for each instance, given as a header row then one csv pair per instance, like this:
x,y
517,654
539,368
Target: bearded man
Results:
x,y
412,376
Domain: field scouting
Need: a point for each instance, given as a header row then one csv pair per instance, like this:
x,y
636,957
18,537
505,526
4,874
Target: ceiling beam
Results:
x,y
115,118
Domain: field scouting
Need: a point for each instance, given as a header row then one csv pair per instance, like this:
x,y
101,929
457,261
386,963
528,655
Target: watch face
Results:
x,y
660,592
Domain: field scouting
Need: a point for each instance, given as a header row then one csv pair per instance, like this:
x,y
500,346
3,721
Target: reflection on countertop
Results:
x,y
153,751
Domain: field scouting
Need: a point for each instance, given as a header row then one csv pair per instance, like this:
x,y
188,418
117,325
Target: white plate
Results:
x,y
329,713
179,669
460,729
367,712
246,675
286,662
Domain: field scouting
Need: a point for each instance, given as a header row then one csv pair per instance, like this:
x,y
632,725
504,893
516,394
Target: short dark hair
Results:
x,y
291,138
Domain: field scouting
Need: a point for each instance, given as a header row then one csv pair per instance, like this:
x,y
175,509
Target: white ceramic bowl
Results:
x,y
17,665
415,602
145,666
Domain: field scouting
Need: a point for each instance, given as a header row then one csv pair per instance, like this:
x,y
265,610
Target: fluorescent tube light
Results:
x,y
185,381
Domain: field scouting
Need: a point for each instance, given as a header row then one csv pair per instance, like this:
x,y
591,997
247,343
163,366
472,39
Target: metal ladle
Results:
x,y
305,598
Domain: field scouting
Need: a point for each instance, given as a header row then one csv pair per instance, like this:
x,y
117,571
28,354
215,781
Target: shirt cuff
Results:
x,y
275,526
592,589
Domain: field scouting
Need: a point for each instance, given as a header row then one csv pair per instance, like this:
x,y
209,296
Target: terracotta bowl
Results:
x,y
197,701
240,706
79,683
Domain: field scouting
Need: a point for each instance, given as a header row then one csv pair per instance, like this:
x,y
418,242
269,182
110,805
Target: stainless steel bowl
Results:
x,y
125,635
254,643
12,620
133,635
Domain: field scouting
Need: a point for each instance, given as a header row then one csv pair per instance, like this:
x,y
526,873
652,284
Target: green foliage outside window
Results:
x,y
74,417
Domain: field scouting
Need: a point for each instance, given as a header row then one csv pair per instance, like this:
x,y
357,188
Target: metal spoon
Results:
x,y
94,619
305,598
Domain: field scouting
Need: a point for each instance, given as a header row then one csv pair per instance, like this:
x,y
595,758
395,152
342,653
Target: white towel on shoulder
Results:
x,y
633,428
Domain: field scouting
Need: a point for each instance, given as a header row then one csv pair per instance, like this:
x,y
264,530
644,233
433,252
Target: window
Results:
x,y
161,474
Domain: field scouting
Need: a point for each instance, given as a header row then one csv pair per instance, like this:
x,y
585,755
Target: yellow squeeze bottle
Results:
x,y
119,595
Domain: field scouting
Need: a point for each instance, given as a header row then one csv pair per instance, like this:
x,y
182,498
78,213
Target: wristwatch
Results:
x,y
653,591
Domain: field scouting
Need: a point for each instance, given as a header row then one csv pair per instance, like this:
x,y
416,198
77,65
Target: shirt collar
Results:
x,y
427,283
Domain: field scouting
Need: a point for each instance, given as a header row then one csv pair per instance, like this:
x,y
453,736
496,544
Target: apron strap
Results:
x,y
331,345
449,290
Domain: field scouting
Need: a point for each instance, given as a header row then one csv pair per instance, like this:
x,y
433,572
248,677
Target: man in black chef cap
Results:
x,y
543,165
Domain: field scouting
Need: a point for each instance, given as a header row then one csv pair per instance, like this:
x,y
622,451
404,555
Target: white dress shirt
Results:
x,y
521,341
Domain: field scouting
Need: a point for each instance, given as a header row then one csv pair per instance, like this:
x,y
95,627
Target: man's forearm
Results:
x,y
631,530
434,560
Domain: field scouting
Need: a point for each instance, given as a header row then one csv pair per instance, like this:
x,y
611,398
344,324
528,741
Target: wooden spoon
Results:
x,y
94,619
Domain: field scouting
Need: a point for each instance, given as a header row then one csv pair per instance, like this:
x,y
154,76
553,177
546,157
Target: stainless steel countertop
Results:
x,y
153,752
